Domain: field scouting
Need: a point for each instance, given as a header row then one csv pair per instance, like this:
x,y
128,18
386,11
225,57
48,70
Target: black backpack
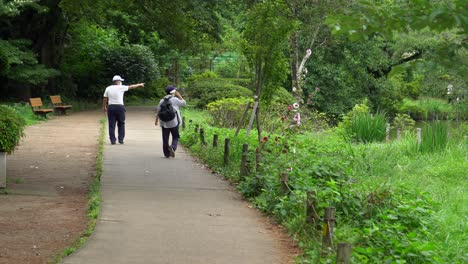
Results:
x,y
166,111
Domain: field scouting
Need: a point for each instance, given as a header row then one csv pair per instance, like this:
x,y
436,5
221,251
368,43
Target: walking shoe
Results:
x,y
121,142
171,152
113,143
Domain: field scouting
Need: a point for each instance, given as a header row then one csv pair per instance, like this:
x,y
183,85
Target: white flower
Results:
x,y
294,89
296,105
309,52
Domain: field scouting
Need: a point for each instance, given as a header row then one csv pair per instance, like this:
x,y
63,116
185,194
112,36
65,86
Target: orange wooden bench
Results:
x,y
36,104
58,105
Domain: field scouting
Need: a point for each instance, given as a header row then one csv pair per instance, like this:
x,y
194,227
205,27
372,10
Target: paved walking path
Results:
x,y
158,210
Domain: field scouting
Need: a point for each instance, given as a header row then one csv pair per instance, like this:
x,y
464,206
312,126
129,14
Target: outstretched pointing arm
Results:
x,y
133,86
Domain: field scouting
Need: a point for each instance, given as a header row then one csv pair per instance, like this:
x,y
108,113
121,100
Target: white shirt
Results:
x,y
176,104
115,93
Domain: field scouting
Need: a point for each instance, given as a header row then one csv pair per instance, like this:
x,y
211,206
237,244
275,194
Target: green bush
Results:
x,y
135,63
208,90
282,96
403,122
11,128
228,112
244,82
202,76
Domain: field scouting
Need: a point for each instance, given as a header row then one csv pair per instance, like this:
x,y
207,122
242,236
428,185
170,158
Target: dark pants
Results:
x,y
116,114
165,137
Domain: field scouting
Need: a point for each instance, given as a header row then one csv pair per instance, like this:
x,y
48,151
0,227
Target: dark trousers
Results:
x,y
165,138
116,114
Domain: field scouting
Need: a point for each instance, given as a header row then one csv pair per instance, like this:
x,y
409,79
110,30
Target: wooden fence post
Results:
x,y
311,214
284,183
202,136
343,256
258,159
215,140
387,132
226,151
398,133
418,135
183,122
245,152
327,230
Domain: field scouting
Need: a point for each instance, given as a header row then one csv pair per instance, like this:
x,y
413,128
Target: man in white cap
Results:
x,y
113,104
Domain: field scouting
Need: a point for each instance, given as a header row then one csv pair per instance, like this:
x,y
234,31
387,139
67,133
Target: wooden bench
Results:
x,y
36,104
58,105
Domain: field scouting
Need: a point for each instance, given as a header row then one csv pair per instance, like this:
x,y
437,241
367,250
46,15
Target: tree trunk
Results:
x,y
294,59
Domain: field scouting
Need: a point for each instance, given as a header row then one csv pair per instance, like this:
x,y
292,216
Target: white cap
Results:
x,y
117,78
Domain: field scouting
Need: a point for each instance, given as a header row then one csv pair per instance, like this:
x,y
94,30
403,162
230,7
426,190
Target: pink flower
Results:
x,y
283,118
265,139
289,107
311,95
297,118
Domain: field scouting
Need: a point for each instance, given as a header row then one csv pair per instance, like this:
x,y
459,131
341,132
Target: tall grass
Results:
x,y
366,127
434,137
427,109
439,175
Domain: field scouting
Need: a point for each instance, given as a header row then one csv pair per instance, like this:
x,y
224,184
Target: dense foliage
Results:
x,y
11,128
388,197
309,65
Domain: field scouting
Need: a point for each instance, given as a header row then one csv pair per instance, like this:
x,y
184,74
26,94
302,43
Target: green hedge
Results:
x,y
228,112
11,128
209,90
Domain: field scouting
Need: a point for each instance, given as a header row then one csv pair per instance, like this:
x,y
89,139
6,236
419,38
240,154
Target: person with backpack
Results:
x,y
168,113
